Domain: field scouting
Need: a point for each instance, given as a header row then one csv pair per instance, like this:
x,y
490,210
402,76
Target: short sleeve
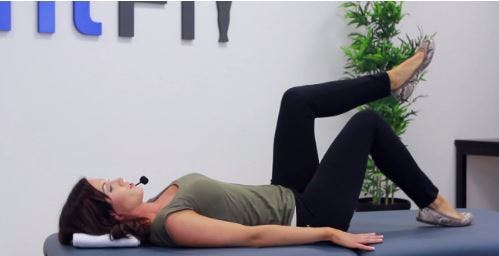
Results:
x,y
159,235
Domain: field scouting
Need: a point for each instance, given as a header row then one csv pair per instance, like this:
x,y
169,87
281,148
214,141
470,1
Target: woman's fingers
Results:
x,y
365,247
369,234
370,238
374,240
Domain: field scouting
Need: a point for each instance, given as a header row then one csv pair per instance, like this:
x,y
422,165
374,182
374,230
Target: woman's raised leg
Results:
x,y
332,194
295,158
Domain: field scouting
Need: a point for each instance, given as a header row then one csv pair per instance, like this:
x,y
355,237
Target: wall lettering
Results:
x,y
85,25
126,17
46,17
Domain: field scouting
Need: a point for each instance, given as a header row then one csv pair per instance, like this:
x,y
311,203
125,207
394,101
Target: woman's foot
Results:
x,y
443,207
405,70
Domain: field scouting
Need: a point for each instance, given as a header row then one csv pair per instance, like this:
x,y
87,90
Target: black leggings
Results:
x,y
327,193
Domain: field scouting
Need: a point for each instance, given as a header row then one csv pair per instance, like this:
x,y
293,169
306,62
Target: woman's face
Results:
x,y
124,196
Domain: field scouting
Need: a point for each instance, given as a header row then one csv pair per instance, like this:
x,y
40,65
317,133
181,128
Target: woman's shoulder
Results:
x,y
194,174
189,178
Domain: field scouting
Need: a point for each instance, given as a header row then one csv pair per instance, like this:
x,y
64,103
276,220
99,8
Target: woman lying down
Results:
x,y
307,201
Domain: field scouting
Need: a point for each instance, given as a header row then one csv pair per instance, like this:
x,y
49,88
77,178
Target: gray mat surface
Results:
x,y
402,236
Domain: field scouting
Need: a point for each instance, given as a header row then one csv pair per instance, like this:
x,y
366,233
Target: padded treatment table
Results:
x,y
403,235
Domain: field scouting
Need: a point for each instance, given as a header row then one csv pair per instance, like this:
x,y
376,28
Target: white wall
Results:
x,y
482,178
462,89
73,105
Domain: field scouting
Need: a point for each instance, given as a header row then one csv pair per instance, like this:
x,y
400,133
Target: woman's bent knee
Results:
x,y
293,94
294,99
367,115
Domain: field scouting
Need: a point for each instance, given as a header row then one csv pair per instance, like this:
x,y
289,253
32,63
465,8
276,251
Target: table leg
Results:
x,y
460,180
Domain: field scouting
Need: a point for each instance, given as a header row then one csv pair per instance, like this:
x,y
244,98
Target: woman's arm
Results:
x,y
188,228
275,235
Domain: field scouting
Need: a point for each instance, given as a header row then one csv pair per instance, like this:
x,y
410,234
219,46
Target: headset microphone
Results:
x,y
144,180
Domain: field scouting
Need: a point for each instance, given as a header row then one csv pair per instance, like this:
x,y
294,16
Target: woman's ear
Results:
x,y
118,217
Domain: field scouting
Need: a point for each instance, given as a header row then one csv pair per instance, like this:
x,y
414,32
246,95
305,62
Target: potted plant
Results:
x,y
373,50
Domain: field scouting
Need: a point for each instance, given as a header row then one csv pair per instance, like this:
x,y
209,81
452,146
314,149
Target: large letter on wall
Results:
x,y
223,8
82,20
46,17
4,15
187,20
126,17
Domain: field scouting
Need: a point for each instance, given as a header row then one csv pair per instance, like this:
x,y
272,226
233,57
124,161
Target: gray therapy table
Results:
x,y
403,235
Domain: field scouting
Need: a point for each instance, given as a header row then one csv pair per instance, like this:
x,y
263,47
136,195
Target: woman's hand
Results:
x,y
355,241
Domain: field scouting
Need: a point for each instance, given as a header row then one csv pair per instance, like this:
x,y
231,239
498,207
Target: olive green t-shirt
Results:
x,y
245,204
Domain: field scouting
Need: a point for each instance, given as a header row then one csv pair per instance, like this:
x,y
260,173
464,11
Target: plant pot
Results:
x,y
365,205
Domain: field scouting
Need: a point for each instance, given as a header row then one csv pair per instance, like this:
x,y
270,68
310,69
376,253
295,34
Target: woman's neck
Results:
x,y
151,209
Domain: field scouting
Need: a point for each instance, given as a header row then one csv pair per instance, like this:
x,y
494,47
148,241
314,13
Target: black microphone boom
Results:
x,y
144,180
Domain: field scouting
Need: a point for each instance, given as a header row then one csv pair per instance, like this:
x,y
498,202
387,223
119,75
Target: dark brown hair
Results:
x,y
87,211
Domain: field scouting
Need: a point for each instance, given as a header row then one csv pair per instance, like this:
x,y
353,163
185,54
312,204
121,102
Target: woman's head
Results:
x,y
99,206
124,197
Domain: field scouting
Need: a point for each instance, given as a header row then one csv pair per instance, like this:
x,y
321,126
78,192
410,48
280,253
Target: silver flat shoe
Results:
x,y
430,216
429,47
405,90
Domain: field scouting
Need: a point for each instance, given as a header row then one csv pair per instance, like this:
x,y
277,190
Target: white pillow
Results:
x,y
91,241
